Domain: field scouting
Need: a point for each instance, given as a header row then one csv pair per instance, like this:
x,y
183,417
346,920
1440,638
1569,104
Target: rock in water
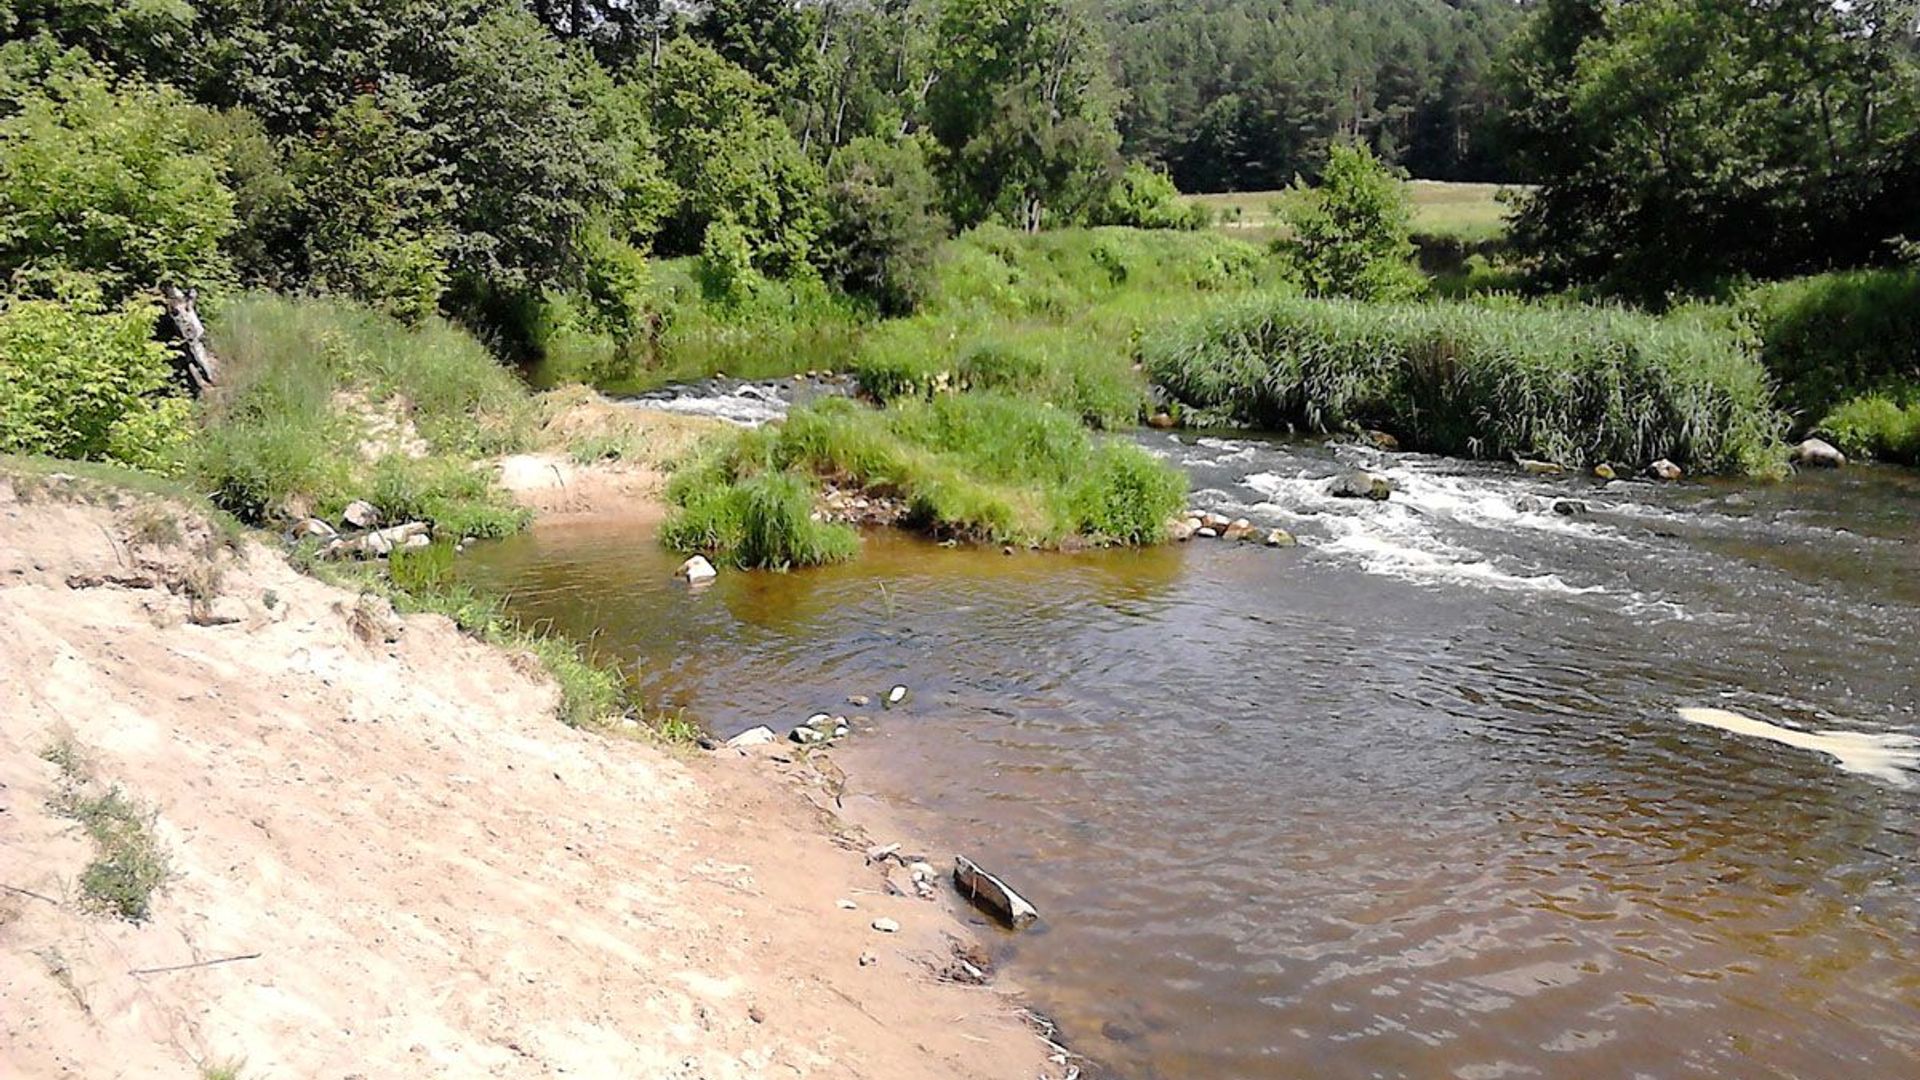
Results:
x,y
1603,471
1569,507
1179,529
896,696
1818,453
992,894
697,569
1240,529
1280,538
1665,470
1161,420
1361,485
360,514
1206,532
1383,441
1541,468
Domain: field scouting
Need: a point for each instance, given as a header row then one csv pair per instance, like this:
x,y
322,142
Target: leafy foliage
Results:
x,y
884,228
1679,142
1145,198
78,381
105,182
1350,233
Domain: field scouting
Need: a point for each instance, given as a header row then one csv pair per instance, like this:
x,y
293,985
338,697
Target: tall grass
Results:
x,y
761,522
1575,385
324,402
1877,426
980,466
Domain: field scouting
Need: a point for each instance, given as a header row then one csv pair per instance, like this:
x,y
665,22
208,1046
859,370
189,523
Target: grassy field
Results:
x,y
1470,213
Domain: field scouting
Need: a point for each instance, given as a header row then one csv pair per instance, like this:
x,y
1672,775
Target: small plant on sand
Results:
x,y
129,863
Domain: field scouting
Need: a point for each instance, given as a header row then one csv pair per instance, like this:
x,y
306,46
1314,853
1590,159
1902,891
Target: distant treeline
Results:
x,y
1244,95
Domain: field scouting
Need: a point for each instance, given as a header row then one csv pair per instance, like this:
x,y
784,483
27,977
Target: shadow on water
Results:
x,y
1409,800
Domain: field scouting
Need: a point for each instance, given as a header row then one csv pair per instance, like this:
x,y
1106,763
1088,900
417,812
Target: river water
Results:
x,y
1411,799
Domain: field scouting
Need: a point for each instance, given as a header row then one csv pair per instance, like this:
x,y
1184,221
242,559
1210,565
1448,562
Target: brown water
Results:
x,y
1410,800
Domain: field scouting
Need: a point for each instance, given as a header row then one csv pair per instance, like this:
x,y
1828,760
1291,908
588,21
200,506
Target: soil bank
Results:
x,y
425,872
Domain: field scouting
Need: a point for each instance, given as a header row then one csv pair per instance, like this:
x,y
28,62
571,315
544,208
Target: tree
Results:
x,y
1350,233
104,184
1022,108
1681,141
732,159
884,228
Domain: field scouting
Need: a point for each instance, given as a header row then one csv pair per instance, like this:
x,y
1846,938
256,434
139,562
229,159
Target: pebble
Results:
x,y
846,905
867,959
858,701
886,926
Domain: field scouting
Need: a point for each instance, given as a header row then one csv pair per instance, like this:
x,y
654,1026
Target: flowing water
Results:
x,y
1412,799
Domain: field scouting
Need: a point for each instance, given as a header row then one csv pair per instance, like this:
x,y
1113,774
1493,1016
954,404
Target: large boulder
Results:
x,y
1361,485
1819,453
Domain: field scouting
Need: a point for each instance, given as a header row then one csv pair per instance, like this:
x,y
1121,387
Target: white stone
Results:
x,y
360,514
697,569
886,926
753,736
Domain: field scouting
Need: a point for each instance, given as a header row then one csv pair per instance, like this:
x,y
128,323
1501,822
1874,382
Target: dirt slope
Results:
x,y
439,879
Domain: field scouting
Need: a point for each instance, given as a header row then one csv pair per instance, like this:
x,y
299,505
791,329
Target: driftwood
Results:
x,y
200,366
992,894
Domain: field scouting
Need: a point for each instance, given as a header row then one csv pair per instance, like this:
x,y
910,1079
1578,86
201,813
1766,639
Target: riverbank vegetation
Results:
x,y
1575,385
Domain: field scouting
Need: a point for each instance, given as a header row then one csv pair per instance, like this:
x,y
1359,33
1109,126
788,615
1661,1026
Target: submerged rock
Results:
x,y
1665,470
992,894
697,569
1280,538
1541,468
1361,485
1819,453
1569,507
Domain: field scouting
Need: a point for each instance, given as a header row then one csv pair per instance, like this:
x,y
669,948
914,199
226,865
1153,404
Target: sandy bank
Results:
x,y
438,879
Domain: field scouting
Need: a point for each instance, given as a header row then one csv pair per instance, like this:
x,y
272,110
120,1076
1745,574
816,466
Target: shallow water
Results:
x,y
1412,799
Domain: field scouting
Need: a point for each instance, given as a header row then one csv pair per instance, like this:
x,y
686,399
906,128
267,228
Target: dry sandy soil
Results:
x,y
422,873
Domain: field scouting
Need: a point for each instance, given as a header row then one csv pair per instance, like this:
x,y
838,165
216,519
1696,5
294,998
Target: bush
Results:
x,y
1349,235
107,182
1144,198
1877,426
1080,368
1831,337
1575,385
79,381
1128,497
883,230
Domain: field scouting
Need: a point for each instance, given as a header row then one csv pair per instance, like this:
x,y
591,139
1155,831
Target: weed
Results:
x,y
675,729
129,862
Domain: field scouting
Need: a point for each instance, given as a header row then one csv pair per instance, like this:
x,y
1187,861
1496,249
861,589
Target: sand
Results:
x,y
428,875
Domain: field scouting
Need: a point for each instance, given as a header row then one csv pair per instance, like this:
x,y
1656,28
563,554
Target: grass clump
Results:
x,y
981,466
1084,368
129,862
762,522
326,401
1575,385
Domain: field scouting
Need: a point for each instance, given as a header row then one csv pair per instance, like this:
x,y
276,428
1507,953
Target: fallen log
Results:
x,y
992,895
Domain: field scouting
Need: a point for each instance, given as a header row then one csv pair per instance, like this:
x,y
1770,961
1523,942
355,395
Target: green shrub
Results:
x,y
1877,426
454,497
1085,368
1143,197
883,228
1828,338
78,381
1575,385
106,181
1349,235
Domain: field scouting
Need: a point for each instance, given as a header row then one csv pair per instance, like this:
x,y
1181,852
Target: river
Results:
x,y
1411,799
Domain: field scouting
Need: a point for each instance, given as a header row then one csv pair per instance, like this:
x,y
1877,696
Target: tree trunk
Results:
x,y
197,362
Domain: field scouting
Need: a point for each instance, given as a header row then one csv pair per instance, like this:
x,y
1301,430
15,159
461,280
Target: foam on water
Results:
x,y
1892,757
749,406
